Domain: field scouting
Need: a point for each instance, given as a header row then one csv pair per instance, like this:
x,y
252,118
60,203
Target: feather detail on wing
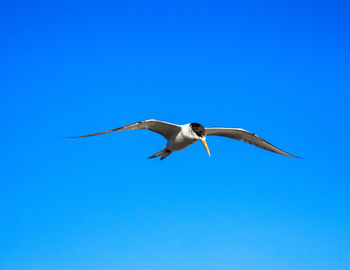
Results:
x,y
245,136
167,130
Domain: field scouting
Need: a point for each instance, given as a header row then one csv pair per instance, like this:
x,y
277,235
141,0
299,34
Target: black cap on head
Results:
x,y
198,129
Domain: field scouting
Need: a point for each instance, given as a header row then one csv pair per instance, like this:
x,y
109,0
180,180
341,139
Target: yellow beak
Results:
x,y
205,145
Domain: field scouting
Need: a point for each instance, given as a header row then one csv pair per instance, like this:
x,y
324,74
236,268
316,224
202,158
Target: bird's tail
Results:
x,y
163,153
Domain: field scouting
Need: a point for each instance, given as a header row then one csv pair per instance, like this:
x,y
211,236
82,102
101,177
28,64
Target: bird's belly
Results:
x,y
179,143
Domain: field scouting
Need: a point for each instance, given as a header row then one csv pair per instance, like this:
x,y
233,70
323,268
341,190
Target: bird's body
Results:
x,y
181,136
182,139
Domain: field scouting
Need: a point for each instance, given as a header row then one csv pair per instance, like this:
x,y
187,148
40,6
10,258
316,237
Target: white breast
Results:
x,y
182,140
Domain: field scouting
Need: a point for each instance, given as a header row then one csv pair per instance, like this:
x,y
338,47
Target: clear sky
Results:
x,y
277,68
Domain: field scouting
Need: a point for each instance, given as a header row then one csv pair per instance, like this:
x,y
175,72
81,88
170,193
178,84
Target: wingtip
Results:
x,y
290,155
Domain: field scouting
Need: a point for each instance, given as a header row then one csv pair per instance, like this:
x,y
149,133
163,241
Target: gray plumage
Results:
x,y
181,136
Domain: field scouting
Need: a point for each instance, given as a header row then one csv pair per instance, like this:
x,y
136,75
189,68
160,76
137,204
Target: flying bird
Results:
x,y
181,136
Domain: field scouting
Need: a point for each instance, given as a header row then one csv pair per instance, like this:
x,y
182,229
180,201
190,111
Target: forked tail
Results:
x,y
164,153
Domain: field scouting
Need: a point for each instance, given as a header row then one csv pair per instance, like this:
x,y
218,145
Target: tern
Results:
x,y
181,136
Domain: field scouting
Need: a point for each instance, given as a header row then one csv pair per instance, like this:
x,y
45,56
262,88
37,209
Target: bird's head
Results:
x,y
199,132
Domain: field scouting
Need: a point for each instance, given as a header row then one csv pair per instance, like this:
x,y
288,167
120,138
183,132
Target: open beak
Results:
x,y
204,142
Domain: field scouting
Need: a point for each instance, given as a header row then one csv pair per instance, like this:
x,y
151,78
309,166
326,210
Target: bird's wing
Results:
x,y
245,136
163,128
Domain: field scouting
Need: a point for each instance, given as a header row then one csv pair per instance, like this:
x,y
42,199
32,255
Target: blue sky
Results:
x,y
278,69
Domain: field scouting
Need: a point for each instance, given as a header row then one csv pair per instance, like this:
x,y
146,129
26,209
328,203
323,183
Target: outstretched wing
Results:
x,y
167,130
245,136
